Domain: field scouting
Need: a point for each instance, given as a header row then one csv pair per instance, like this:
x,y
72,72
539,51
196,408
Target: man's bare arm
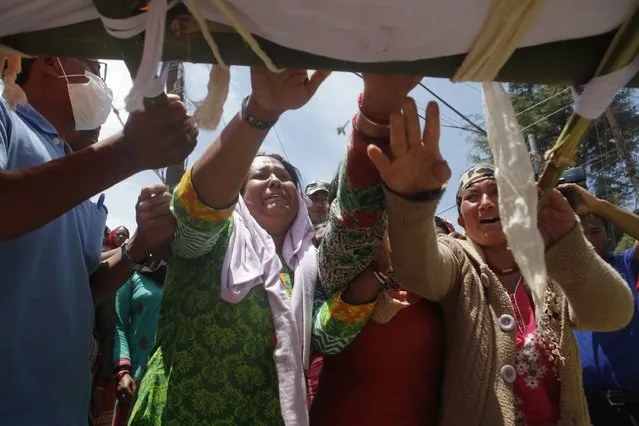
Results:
x,y
35,196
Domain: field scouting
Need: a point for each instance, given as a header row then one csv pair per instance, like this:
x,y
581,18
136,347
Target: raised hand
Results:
x,y
275,93
555,219
415,163
585,202
156,224
161,137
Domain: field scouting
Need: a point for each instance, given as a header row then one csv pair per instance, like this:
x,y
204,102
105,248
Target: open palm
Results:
x,y
415,163
286,90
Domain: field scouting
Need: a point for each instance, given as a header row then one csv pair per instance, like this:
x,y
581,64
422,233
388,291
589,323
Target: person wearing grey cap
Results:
x,y
505,364
317,191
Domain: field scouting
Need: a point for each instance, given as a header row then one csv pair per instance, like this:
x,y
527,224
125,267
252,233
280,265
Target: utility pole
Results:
x,y
622,150
175,85
535,158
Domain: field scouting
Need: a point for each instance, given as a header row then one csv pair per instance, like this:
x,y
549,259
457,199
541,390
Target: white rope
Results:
x,y
201,22
245,34
210,110
146,84
593,98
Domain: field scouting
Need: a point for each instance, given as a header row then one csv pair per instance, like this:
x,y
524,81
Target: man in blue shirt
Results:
x,y
610,360
51,236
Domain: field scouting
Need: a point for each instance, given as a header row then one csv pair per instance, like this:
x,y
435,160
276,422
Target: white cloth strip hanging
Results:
x,y
518,197
593,98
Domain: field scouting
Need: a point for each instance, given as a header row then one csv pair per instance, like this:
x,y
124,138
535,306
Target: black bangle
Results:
x,y
430,195
254,122
382,142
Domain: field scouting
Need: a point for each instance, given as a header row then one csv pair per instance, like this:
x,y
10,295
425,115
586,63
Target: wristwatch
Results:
x,y
138,267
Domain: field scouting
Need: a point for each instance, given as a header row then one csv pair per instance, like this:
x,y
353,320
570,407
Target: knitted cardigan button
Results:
x,y
508,373
485,281
506,322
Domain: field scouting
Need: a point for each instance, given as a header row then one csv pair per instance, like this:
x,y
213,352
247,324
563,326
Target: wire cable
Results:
x,y
542,101
452,108
281,144
548,116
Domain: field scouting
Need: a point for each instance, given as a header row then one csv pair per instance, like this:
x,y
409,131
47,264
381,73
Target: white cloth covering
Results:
x,y
357,30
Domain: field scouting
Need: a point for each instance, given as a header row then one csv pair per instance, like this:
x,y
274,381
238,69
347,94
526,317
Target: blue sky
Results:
x,y
307,136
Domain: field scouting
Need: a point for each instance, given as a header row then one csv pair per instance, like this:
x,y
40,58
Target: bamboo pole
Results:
x,y
563,63
623,48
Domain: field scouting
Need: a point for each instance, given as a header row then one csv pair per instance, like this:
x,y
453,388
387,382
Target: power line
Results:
x,y
448,124
601,157
472,87
542,102
543,118
447,121
440,99
466,119
446,210
281,144
602,160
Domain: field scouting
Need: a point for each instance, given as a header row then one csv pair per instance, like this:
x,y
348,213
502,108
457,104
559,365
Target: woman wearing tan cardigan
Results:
x,y
500,367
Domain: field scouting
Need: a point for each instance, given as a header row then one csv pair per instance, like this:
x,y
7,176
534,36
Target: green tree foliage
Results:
x,y
543,111
624,243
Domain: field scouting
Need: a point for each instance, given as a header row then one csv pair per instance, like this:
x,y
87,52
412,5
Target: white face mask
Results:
x,y
91,102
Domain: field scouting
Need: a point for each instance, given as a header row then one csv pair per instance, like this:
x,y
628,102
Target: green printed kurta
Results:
x,y
355,229
213,360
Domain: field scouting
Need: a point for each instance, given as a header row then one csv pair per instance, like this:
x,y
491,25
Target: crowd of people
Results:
x,y
244,299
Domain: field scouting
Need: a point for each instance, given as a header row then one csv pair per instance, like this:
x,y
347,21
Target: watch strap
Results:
x,y
254,122
430,195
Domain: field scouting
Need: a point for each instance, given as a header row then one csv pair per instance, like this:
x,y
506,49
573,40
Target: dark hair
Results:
x,y
27,64
332,192
440,223
291,169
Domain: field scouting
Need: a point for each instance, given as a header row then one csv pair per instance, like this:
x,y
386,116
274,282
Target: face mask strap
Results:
x,y
63,71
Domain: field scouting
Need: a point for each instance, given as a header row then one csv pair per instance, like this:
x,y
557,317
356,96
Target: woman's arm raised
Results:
x,y
219,174
415,176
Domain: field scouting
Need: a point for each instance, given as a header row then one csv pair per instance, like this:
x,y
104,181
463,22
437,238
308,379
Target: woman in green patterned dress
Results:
x,y
234,333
